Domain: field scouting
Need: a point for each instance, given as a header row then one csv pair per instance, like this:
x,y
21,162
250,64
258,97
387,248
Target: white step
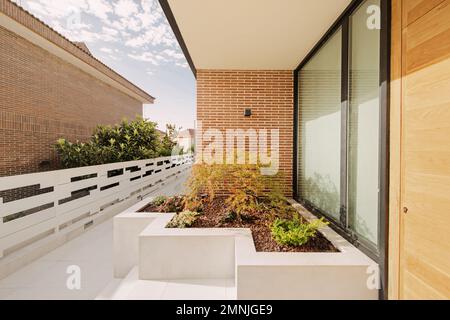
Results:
x,y
131,288
108,292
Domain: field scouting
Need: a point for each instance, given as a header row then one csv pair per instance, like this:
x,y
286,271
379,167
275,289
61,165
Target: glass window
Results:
x,y
319,88
332,176
364,125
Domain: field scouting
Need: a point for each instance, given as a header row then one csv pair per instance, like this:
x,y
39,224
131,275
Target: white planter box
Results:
x,y
187,253
126,229
174,254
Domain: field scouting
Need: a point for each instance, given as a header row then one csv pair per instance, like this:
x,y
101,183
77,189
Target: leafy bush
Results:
x,y
159,201
78,154
295,232
168,144
127,141
203,184
246,186
183,219
247,190
172,204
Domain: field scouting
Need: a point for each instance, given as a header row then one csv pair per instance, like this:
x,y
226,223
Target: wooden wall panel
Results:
x,y
415,9
427,40
420,260
395,151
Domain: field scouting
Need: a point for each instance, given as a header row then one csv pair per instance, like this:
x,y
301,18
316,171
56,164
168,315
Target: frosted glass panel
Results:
x,y
364,126
320,128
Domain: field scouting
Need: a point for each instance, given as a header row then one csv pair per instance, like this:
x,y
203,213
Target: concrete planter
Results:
x,y
163,254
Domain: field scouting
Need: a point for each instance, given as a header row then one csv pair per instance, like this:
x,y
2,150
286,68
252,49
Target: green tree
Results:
x,y
127,141
168,144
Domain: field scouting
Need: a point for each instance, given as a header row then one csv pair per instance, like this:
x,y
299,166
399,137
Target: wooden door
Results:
x,y
424,244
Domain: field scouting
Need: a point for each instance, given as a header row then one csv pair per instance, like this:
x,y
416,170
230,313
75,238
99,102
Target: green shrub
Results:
x,y
203,184
295,232
229,217
168,144
127,141
244,184
183,219
158,201
172,204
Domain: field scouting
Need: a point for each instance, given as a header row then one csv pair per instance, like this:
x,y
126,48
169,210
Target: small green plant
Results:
x,y
183,219
159,201
295,232
172,204
229,217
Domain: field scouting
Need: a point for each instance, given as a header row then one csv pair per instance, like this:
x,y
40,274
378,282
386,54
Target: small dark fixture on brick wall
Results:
x,y
248,112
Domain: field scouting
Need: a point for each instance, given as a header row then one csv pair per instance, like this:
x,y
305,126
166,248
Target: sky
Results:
x,y
134,38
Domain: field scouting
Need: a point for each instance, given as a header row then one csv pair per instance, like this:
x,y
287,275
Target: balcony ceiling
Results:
x,y
252,34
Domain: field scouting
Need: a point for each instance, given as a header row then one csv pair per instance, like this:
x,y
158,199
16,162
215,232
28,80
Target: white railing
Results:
x,y
73,196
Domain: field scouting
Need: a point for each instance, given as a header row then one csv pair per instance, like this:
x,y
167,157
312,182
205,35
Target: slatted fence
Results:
x,y
34,206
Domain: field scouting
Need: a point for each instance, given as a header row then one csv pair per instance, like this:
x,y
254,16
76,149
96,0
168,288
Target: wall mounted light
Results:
x,y
248,112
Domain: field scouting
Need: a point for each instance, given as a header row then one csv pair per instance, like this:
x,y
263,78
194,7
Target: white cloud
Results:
x,y
148,19
124,24
145,57
113,57
161,58
131,23
100,8
56,8
182,64
110,31
173,54
152,13
126,8
155,35
84,36
37,8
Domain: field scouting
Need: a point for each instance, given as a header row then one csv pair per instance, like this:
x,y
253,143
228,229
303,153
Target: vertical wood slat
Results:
x,y
395,150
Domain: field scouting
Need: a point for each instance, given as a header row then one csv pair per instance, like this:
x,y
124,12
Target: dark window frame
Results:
x,y
380,253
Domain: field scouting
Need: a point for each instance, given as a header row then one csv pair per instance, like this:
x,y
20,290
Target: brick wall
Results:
x,y
222,97
43,98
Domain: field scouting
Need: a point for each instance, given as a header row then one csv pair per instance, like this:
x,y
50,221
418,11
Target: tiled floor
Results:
x,y
92,251
131,288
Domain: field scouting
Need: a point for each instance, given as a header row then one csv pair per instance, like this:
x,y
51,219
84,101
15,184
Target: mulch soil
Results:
x,y
214,216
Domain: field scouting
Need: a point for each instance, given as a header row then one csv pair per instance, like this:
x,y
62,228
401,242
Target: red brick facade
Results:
x,y
223,95
43,98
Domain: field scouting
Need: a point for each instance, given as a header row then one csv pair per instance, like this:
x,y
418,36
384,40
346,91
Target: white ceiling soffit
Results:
x,y
253,34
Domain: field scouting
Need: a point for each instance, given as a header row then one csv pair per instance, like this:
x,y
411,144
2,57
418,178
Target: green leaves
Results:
x,y
183,219
128,141
167,143
159,201
295,232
